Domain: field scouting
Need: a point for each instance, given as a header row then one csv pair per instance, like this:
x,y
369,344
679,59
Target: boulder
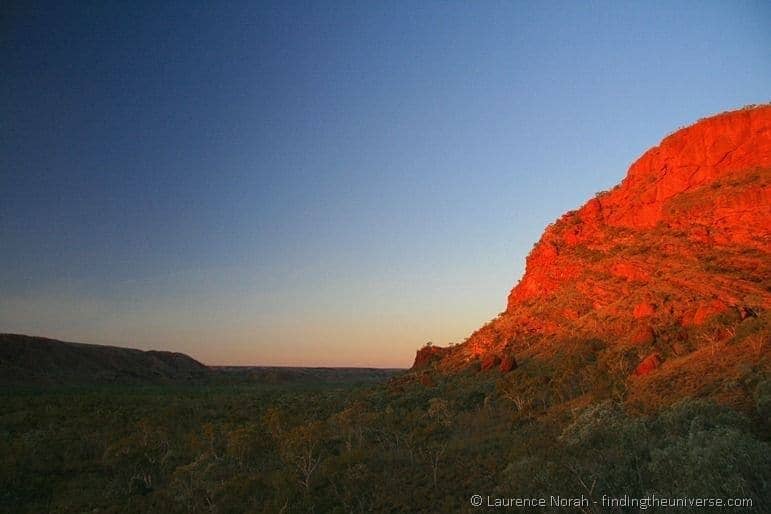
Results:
x,y
643,335
643,310
490,361
647,365
704,312
508,363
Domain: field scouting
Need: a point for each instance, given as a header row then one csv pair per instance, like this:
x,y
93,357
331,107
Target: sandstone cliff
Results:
x,y
678,252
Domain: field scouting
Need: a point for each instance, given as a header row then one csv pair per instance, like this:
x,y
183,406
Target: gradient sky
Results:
x,y
325,183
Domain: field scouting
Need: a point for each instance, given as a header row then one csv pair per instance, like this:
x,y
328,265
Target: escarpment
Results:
x,y
677,253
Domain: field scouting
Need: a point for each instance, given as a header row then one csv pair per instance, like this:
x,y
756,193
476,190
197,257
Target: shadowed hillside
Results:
x,y
38,361
26,360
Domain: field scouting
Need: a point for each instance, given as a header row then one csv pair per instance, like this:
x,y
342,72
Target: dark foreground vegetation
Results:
x,y
421,445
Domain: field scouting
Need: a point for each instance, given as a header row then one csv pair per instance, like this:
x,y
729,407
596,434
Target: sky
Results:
x,y
325,183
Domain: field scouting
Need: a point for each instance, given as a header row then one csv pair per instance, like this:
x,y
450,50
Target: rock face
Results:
x,y
508,363
490,361
666,185
648,364
428,355
643,310
683,239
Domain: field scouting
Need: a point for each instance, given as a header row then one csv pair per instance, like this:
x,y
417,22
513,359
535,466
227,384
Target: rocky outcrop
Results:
x,y
681,241
715,152
508,363
648,365
643,310
643,335
427,356
490,361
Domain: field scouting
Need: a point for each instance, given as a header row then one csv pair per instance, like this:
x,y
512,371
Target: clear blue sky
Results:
x,y
325,183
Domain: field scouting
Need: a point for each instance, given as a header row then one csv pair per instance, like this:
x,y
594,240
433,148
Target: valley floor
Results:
x,y
396,446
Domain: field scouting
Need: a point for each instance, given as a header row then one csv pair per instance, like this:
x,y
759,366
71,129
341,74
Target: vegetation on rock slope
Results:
x,y
665,280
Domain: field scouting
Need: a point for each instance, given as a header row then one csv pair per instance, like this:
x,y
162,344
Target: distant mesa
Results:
x,y
26,360
680,245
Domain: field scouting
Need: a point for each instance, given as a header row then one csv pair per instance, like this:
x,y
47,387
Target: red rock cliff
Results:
x,y
683,238
725,146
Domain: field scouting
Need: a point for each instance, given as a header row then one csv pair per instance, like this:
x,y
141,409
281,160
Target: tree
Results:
x,y
300,448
